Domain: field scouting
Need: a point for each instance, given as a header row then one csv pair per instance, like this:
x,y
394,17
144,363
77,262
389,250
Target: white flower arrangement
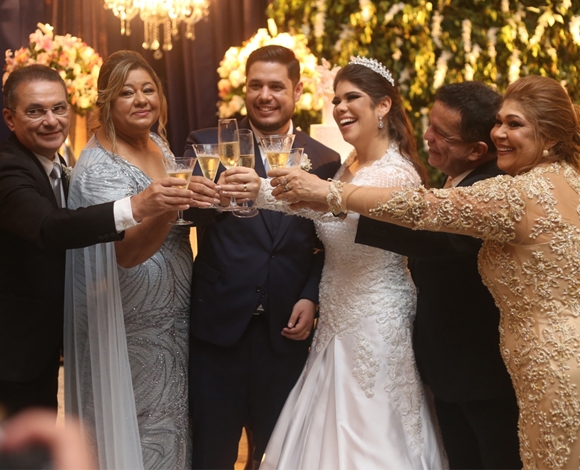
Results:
x,y
324,78
77,63
231,87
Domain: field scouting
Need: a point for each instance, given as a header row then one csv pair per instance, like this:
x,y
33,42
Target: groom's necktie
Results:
x,y
56,182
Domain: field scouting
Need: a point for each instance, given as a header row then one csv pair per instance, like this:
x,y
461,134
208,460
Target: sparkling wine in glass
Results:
x,y
246,139
180,167
229,146
208,158
277,148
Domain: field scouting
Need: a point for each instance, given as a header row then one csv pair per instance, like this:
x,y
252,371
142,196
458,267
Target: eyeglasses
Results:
x,y
34,114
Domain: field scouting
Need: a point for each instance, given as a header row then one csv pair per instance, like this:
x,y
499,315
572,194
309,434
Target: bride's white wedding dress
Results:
x,y
359,403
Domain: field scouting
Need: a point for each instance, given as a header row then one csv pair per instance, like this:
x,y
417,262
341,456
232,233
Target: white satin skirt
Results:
x,y
329,423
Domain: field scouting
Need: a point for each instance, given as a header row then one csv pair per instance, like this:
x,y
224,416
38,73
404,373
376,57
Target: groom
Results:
x,y
36,229
252,277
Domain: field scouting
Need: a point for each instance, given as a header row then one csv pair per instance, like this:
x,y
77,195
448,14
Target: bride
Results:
x,y
359,402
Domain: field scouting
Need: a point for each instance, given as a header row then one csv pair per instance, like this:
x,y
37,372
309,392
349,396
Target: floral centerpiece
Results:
x,y
233,77
77,63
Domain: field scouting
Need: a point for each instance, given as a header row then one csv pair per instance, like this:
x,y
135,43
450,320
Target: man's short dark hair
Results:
x,y
478,105
30,73
279,54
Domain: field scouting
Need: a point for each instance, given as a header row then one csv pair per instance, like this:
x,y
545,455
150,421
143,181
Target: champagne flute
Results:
x,y
209,161
246,139
294,159
180,167
277,148
229,146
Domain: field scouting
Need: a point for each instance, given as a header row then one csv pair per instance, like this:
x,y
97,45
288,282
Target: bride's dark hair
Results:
x,y
398,125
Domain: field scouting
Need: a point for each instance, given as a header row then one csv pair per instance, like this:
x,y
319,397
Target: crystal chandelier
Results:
x,y
156,13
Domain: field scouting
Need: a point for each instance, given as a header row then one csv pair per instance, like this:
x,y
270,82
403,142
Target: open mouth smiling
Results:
x,y
346,121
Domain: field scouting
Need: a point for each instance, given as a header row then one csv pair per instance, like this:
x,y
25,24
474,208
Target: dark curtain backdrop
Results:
x,y
189,71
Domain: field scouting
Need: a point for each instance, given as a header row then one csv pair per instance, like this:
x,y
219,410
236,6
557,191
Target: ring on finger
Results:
x,y
283,181
245,187
287,187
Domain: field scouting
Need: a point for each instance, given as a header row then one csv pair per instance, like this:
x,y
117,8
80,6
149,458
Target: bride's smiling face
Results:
x,y
355,113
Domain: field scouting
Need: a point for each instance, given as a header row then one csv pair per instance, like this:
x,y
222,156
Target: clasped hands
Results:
x,y
292,185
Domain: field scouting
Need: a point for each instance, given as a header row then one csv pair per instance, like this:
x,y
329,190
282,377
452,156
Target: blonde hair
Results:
x,y
112,77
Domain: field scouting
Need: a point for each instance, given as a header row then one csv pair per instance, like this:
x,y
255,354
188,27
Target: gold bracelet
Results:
x,y
334,197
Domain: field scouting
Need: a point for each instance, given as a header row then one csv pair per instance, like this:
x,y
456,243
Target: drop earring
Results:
x,y
381,123
545,153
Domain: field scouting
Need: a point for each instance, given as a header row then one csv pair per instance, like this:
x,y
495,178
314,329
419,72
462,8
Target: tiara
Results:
x,y
375,66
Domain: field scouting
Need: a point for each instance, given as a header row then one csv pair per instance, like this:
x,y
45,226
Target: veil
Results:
x,y
98,384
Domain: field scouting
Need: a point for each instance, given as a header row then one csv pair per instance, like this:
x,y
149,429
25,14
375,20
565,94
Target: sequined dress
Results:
x,y
530,261
359,402
126,332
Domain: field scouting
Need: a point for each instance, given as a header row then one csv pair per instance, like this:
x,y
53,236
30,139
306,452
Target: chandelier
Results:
x,y
155,14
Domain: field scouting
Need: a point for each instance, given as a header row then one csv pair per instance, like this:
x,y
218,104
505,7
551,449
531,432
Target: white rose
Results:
x,y
236,78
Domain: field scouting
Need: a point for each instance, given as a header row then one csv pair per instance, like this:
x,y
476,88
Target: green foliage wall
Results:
x,y
427,44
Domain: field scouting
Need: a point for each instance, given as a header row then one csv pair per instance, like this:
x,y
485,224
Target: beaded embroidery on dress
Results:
x,y
530,261
134,319
361,350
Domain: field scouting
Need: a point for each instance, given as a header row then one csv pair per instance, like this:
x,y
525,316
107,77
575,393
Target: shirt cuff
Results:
x,y
123,215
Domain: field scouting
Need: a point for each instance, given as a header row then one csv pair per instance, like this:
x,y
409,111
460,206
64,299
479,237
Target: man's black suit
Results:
x,y
266,260
456,338
34,236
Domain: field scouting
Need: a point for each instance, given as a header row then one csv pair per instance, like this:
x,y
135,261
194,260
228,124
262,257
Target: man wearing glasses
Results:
x,y
36,229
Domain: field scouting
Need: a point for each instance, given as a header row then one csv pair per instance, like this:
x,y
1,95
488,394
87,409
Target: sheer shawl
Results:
x,y
98,384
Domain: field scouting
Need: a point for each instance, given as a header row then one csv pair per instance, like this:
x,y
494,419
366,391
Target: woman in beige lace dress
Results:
x,y
530,259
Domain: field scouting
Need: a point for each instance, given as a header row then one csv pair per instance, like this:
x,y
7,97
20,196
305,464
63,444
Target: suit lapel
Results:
x,y
489,168
42,176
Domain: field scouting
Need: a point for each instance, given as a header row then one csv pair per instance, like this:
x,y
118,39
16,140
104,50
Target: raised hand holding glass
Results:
x,y
246,139
180,167
209,161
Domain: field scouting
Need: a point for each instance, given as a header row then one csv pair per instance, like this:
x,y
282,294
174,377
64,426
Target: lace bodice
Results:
x,y
366,290
530,261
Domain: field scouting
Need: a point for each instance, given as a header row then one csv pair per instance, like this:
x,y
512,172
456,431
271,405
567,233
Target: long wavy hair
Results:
x,y
112,77
398,127
547,106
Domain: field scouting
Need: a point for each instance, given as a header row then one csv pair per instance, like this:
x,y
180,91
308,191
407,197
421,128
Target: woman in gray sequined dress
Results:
x,y
127,303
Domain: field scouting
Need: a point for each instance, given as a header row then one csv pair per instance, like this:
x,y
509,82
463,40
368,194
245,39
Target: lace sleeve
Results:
x,y
490,209
265,200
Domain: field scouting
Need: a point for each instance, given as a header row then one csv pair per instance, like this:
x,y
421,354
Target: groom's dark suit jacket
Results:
x,y
455,337
34,236
268,259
